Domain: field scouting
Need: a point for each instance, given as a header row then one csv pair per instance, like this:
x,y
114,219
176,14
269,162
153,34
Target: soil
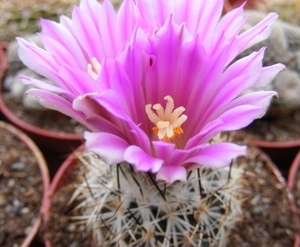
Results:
x,y
267,220
276,129
21,190
48,119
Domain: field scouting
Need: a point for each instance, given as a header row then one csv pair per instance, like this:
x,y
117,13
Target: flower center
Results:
x,y
94,68
167,122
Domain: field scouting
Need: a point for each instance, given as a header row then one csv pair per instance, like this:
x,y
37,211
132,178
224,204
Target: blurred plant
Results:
x,y
21,18
288,10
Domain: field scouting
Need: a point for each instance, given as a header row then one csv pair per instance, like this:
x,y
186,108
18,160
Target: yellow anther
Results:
x,y
167,122
94,68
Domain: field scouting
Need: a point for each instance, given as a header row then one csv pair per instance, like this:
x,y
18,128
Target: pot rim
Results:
x,y
275,144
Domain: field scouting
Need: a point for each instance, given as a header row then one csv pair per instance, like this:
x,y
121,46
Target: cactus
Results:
x,y
122,207
20,18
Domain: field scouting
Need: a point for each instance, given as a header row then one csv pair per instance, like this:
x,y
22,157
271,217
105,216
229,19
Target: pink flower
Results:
x,y
163,88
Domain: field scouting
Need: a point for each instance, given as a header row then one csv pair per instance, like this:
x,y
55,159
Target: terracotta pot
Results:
x,y
278,174
43,169
3,67
51,141
282,153
291,197
3,60
60,179
232,4
291,184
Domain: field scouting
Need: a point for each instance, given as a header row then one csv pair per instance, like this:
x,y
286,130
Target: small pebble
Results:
x,y
11,183
9,209
18,166
3,200
16,202
258,210
24,211
30,179
74,244
28,230
71,227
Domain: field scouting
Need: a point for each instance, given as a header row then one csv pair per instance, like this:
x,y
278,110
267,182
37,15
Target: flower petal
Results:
x,y
171,174
109,147
163,150
38,60
258,33
55,102
216,155
141,160
267,74
64,36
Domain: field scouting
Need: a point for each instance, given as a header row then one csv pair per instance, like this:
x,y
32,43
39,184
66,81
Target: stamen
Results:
x,y
167,122
94,68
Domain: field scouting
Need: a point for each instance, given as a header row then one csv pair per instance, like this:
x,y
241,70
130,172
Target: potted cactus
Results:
x,y
117,206
155,89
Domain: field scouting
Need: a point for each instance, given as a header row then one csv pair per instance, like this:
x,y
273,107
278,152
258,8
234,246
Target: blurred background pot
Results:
x,y
23,186
57,142
61,178
3,65
282,153
294,185
3,61
232,4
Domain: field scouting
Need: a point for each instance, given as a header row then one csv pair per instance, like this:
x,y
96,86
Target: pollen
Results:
x,y
167,122
94,68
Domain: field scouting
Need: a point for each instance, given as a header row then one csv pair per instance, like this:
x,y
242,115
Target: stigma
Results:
x,y
94,68
167,122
